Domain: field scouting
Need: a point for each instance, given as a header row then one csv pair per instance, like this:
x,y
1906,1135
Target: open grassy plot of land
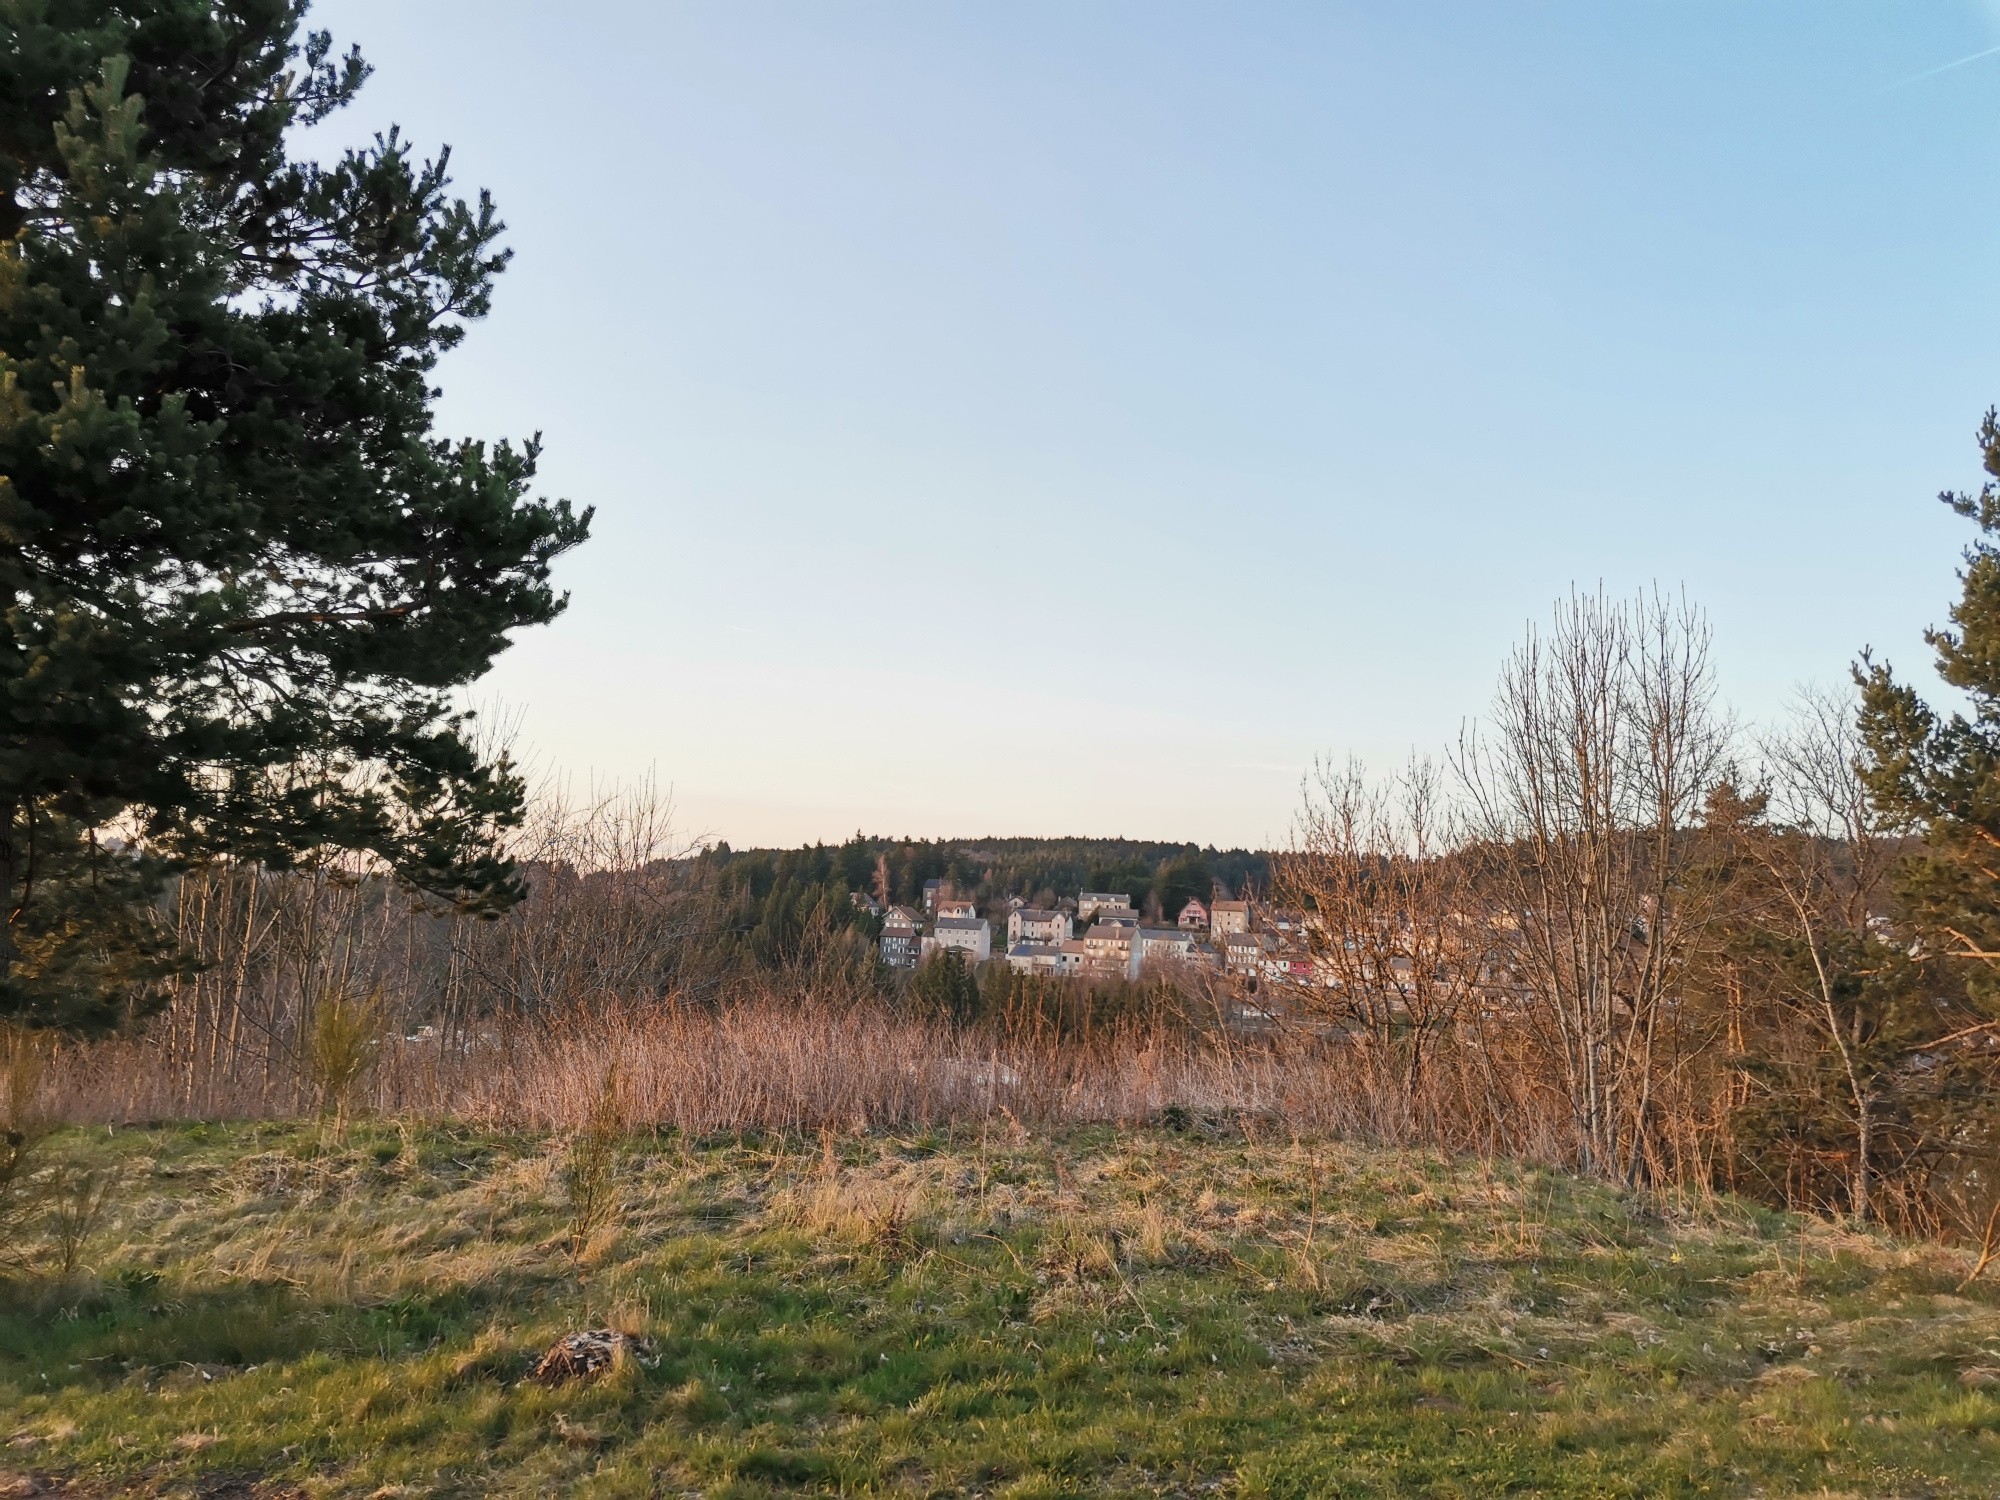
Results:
x,y
1193,1311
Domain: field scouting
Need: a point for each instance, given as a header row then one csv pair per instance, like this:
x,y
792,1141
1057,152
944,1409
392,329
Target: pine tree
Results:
x,y
1939,776
243,577
944,986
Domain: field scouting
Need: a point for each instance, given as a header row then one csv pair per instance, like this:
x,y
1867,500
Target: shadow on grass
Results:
x,y
96,1334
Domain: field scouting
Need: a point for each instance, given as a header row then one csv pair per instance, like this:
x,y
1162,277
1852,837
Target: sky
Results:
x,y
1041,418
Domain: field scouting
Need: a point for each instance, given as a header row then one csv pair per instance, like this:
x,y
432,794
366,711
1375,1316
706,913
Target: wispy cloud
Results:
x,y
1903,83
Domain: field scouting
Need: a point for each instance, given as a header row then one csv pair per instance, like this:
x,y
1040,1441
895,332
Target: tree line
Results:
x,y
1161,878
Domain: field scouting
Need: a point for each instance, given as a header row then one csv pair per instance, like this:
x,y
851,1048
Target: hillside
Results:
x,y
1166,1312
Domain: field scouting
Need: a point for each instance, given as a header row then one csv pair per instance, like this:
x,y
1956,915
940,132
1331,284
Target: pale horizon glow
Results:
x,y
1044,420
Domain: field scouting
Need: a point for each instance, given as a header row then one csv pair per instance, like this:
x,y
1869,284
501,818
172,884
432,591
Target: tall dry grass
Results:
x,y
774,1063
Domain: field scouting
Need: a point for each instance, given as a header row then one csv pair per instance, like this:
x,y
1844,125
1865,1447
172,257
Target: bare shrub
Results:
x,y
1398,934
613,913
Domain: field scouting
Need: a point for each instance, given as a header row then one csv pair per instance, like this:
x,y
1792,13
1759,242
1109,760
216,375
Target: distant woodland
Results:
x,y
1159,877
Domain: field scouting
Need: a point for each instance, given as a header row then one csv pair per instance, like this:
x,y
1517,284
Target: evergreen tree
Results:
x,y
944,985
243,577
1939,776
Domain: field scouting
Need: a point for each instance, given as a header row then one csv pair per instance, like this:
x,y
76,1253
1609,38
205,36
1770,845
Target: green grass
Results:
x,y
1093,1312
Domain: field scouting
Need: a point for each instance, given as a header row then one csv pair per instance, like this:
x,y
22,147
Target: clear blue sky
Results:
x,y
1071,417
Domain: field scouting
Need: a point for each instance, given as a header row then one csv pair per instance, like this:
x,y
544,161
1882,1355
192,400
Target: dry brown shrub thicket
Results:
x,y
1590,938
1643,945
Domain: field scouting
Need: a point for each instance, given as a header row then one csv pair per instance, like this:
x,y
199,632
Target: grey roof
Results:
x,y
960,924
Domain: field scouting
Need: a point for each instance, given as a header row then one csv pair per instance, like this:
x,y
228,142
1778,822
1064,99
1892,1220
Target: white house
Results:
x,y
1194,917
1052,960
972,936
1165,945
959,907
1031,925
901,945
1244,952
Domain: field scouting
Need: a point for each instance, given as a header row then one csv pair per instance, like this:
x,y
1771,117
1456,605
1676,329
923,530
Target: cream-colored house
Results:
x,y
1112,952
1226,917
1089,901
972,936
1032,925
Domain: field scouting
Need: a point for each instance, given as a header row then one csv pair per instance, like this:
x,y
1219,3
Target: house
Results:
x,y
1165,945
1194,917
972,936
1111,952
1089,901
1290,968
1116,916
934,892
1244,952
862,901
1031,925
1052,960
902,945
947,907
1226,917
903,916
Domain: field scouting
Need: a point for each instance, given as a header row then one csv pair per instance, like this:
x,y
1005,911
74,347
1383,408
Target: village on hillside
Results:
x,y
1096,935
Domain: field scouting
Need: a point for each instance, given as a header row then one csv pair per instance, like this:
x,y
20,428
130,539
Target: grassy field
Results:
x,y
267,1310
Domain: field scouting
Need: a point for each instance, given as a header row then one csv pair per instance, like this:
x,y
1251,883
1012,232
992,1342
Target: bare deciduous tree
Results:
x,y
1604,745
1825,860
1398,940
